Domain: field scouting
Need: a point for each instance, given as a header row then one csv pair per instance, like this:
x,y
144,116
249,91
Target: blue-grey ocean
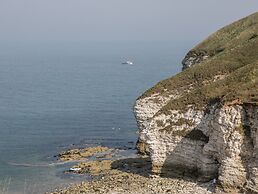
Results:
x,y
58,95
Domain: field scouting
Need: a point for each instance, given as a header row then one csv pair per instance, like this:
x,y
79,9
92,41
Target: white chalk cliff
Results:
x,y
203,122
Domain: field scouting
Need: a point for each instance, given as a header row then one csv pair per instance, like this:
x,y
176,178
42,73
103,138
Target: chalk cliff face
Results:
x,y
203,122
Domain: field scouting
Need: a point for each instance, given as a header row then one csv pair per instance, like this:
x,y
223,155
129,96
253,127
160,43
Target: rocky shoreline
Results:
x,y
124,175
198,128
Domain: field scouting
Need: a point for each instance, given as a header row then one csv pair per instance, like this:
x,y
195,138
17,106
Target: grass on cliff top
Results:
x,y
240,86
230,36
234,51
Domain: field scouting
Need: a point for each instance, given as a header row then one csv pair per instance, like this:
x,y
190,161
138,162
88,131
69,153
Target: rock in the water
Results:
x,y
82,154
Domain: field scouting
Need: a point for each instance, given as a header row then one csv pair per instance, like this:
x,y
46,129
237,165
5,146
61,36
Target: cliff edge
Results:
x,y
204,120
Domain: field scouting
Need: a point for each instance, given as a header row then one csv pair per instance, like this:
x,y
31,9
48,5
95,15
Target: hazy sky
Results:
x,y
117,20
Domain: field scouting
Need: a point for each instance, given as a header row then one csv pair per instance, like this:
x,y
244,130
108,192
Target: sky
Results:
x,y
117,20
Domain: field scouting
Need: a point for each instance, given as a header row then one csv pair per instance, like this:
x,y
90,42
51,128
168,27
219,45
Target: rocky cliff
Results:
x,y
203,122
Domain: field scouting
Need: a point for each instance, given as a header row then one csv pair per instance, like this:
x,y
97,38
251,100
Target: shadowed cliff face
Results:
x,y
204,121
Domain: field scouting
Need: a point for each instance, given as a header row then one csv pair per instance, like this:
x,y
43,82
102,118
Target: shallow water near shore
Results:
x,y
59,96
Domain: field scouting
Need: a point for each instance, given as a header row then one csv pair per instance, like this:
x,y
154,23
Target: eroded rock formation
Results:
x,y
203,122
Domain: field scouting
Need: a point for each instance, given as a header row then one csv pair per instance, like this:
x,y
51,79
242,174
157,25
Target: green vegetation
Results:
x,y
233,52
182,121
195,134
170,129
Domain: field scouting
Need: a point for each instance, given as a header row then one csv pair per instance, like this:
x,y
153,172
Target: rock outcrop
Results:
x,y
203,122
193,57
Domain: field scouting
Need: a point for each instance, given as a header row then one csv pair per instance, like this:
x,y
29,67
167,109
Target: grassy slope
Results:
x,y
234,53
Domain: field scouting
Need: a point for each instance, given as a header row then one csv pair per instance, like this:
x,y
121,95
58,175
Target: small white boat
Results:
x,y
74,169
128,63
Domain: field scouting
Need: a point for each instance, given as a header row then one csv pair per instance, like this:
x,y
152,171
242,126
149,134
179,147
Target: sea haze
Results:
x,y
55,95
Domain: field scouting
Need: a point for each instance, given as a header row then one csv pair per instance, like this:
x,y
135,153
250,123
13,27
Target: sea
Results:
x,y
62,95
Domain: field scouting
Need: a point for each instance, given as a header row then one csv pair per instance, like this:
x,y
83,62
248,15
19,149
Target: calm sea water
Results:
x,y
56,95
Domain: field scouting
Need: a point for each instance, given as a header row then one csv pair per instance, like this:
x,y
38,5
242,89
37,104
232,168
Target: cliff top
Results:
x,y
227,74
